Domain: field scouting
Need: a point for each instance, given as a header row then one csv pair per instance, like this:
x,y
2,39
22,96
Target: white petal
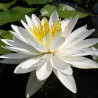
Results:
x,y
47,40
61,65
19,70
19,44
18,36
36,20
81,62
25,25
57,44
87,51
66,80
54,17
10,61
29,21
70,27
43,21
32,62
33,85
44,70
84,44
15,56
20,50
64,24
31,41
38,46
75,34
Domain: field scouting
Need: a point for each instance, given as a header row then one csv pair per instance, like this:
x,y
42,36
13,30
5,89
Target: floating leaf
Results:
x,y
31,2
64,11
6,35
6,6
15,14
2,50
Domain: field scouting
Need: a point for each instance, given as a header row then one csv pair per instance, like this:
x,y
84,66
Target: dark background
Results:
x,y
14,86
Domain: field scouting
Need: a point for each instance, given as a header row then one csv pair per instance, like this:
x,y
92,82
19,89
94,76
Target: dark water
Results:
x,y
13,86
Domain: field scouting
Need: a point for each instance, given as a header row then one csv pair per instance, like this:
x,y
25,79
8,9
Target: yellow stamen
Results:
x,y
42,30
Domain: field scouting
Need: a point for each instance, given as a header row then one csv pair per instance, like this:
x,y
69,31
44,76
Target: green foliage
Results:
x,y
15,14
64,11
31,2
6,35
6,6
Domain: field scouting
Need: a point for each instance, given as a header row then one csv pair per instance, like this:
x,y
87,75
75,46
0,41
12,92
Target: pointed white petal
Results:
x,y
61,65
19,44
33,85
20,50
15,56
54,17
64,24
81,62
43,21
29,21
15,28
44,70
57,44
70,27
75,34
10,61
18,36
47,40
36,20
19,70
25,25
84,44
32,62
66,80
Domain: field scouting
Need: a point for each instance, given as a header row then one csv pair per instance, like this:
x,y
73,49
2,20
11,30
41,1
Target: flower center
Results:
x,y
42,30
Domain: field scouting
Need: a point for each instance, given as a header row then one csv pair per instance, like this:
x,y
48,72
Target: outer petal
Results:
x,y
81,62
10,61
33,85
30,63
54,17
44,70
19,70
83,44
75,34
19,44
15,56
61,65
57,44
67,81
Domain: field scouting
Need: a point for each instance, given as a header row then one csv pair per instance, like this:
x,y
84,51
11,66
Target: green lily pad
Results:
x,y
2,50
31,2
6,35
64,11
15,14
6,6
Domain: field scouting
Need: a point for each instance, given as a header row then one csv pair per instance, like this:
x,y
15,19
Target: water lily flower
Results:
x,y
43,47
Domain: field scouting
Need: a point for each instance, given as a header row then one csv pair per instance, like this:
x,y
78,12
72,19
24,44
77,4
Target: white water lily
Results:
x,y
45,46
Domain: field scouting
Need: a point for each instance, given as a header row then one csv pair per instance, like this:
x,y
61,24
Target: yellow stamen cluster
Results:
x,y
42,30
